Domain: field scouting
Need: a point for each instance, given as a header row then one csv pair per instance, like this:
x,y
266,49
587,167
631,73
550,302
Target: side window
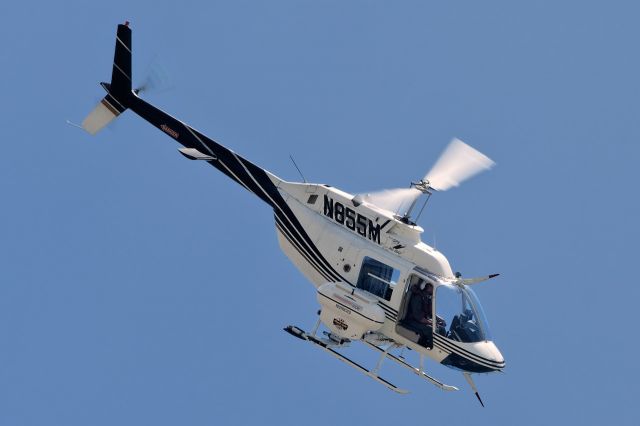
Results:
x,y
377,278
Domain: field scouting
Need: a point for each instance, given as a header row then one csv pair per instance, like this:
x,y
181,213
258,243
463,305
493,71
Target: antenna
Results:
x,y
297,168
74,124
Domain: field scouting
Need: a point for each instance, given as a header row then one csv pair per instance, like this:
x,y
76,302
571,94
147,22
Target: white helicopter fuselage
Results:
x,y
346,232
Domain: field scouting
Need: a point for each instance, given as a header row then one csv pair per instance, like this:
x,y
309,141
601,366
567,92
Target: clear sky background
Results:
x,y
137,287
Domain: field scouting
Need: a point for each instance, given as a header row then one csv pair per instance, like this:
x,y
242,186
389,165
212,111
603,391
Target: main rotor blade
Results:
x,y
397,200
457,163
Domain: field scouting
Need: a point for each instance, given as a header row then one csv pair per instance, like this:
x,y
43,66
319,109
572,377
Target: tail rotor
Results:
x,y
157,79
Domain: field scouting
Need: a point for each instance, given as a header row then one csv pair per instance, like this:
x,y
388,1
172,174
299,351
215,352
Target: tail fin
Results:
x,y
121,74
120,89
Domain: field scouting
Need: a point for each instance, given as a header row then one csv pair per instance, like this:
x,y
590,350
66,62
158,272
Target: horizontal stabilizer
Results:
x,y
194,154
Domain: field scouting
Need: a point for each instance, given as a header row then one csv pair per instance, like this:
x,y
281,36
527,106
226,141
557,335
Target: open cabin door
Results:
x,y
415,319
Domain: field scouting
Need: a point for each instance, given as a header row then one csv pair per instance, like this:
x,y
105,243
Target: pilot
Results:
x,y
419,317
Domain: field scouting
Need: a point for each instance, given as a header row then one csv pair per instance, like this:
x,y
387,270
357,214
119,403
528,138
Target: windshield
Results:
x,y
460,309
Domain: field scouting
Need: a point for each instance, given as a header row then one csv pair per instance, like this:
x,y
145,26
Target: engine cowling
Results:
x,y
349,312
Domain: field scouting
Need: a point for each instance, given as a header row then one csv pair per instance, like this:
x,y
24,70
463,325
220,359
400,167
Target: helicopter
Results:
x,y
376,281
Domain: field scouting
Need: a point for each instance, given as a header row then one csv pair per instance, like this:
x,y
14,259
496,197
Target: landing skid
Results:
x,y
326,345
415,370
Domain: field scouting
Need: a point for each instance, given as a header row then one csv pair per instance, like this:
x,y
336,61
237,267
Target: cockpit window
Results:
x,y
480,316
461,310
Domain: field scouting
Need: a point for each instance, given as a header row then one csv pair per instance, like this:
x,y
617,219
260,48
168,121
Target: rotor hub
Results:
x,y
422,185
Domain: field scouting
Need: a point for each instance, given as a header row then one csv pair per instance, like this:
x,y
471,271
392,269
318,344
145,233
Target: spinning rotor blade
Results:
x,y
157,78
397,200
457,163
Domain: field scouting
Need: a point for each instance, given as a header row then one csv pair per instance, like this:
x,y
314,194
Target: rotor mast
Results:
x,y
423,186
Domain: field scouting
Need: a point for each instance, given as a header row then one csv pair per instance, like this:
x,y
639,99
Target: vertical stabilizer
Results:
x,y
121,74
119,91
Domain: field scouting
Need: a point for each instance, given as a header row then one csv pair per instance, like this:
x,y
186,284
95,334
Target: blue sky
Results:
x,y
140,288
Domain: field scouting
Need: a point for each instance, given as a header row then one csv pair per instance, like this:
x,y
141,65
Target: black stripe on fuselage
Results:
x,y
387,311
455,350
387,308
483,367
466,354
285,233
285,222
186,136
309,256
235,167
457,361
442,348
285,213
257,180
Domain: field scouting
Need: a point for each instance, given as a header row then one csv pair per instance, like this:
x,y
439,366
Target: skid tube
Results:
x,y
326,346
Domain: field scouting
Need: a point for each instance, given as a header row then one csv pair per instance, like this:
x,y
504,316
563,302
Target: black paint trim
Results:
x,y
248,174
285,233
294,234
387,311
458,361
121,70
389,308
465,353
309,256
232,165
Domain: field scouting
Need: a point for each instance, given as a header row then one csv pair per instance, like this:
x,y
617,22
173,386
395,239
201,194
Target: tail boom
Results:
x,y
120,97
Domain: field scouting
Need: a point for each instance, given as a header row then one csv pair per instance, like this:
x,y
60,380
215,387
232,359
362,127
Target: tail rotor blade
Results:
x,y
157,78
